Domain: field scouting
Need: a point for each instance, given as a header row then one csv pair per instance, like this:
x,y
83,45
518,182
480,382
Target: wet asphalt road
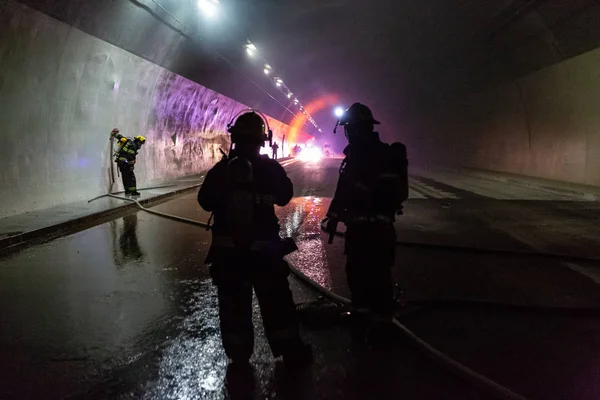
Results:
x,y
126,309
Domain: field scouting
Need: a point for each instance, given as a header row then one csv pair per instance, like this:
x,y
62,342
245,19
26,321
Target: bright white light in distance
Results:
x,y
311,154
339,111
267,72
278,84
208,7
251,49
289,96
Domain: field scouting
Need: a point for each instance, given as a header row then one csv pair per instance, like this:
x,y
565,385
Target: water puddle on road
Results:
x,y
301,220
193,365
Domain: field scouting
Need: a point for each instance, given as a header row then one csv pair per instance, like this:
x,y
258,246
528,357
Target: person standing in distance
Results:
x,y
126,158
372,186
247,251
275,148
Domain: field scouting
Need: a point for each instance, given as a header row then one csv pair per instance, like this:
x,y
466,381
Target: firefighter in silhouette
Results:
x,y
275,148
247,251
126,158
372,186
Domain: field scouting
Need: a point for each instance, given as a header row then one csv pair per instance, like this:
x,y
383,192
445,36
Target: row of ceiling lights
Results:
x,y
209,8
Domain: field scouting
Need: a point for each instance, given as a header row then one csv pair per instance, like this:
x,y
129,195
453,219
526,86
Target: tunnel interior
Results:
x,y
507,86
497,246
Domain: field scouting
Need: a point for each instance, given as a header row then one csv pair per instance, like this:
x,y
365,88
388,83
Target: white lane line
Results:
x,y
592,273
509,190
289,162
430,191
413,193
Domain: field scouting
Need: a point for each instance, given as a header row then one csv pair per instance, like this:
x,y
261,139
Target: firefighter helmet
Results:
x,y
249,127
357,113
140,139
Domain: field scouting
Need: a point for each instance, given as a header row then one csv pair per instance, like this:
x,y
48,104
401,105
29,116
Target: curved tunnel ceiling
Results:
x,y
401,57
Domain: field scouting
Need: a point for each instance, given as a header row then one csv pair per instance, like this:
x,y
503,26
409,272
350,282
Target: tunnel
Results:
x,y
497,245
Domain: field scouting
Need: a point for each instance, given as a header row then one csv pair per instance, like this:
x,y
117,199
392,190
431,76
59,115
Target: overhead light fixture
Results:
x,y
289,95
339,111
267,72
251,48
208,7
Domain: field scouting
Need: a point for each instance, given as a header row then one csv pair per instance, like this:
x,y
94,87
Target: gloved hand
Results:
x,y
331,228
114,132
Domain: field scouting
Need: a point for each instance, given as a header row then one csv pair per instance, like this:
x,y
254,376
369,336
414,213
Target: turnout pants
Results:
x,y
370,252
235,277
129,181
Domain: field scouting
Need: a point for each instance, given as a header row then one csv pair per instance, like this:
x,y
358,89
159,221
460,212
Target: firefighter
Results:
x,y
247,252
126,157
372,185
275,147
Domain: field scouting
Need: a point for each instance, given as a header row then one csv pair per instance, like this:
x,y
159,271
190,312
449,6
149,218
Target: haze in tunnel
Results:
x,y
498,85
126,306
502,85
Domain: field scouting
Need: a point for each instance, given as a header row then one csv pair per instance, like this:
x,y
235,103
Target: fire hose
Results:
x,y
442,359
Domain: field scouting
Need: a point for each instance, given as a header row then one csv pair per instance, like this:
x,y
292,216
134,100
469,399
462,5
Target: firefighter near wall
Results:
x,y
247,251
372,186
125,157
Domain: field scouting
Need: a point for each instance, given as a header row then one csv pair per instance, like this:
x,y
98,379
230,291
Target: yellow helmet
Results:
x,y
140,139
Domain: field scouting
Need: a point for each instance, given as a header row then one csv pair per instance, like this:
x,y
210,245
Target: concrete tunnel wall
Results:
x,y
546,124
62,91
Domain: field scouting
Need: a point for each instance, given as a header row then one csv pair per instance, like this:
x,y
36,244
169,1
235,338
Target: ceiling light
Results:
x,y
208,7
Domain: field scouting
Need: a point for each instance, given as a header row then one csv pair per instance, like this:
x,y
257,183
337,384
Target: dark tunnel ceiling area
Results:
x,y
401,57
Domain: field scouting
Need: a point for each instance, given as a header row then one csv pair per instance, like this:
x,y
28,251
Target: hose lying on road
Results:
x,y
447,362
437,246
115,193
160,214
